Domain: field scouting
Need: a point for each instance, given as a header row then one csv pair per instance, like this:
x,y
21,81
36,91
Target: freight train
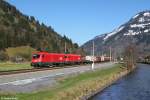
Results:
x,y
45,59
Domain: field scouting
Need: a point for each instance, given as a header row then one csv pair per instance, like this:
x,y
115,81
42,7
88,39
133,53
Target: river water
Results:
x,y
135,86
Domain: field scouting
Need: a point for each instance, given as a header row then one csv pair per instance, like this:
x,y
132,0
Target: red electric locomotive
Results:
x,y
54,59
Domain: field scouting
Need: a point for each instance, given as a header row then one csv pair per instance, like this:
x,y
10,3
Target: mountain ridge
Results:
x,y
135,31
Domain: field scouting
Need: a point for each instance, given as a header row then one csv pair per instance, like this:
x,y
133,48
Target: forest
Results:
x,y
17,29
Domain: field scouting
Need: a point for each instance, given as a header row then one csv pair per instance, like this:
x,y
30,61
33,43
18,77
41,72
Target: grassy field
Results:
x,y
22,51
74,87
6,66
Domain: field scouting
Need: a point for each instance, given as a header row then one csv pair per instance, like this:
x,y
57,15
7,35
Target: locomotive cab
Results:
x,y
36,56
36,60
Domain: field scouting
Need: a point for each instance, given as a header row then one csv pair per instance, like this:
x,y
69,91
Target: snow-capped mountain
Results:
x,y
135,31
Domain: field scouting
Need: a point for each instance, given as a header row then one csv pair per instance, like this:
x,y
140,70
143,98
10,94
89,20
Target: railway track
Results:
x,y
38,69
34,70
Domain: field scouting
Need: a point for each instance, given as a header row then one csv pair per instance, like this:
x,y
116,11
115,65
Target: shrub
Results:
x,y
3,55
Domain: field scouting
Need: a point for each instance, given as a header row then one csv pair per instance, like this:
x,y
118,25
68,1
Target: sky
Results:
x,y
81,20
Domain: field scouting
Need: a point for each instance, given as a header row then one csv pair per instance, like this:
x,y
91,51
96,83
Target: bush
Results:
x,y
3,56
25,56
17,59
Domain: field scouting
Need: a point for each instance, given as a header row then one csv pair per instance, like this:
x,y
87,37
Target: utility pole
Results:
x,y
65,47
93,56
110,54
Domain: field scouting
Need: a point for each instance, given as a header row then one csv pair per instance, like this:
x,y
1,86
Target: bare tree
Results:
x,y
130,56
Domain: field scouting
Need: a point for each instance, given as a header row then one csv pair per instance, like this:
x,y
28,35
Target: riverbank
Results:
x,y
134,86
73,87
146,62
108,83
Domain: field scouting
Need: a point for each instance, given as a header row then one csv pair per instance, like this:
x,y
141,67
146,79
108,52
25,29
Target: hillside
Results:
x,y
17,29
134,32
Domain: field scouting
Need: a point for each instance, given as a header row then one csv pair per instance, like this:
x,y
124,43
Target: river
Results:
x,y
134,86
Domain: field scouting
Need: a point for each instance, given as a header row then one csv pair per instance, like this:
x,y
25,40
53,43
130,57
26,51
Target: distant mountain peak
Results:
x,y
113,33
100,36
136,30
143,13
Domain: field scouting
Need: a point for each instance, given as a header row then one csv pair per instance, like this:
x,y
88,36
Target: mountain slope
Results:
x,y
136,32
17,29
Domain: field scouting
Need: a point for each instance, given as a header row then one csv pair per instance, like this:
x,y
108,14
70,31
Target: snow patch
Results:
x,y
113,33
141,20
139,25
131,32
99,36
147,30
146,14
136,16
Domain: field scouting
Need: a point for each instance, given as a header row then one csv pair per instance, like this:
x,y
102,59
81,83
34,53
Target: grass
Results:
x,y
73,87
7,66
21,50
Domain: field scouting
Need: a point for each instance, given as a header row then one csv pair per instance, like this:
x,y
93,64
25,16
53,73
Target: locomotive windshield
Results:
x,y
35,56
